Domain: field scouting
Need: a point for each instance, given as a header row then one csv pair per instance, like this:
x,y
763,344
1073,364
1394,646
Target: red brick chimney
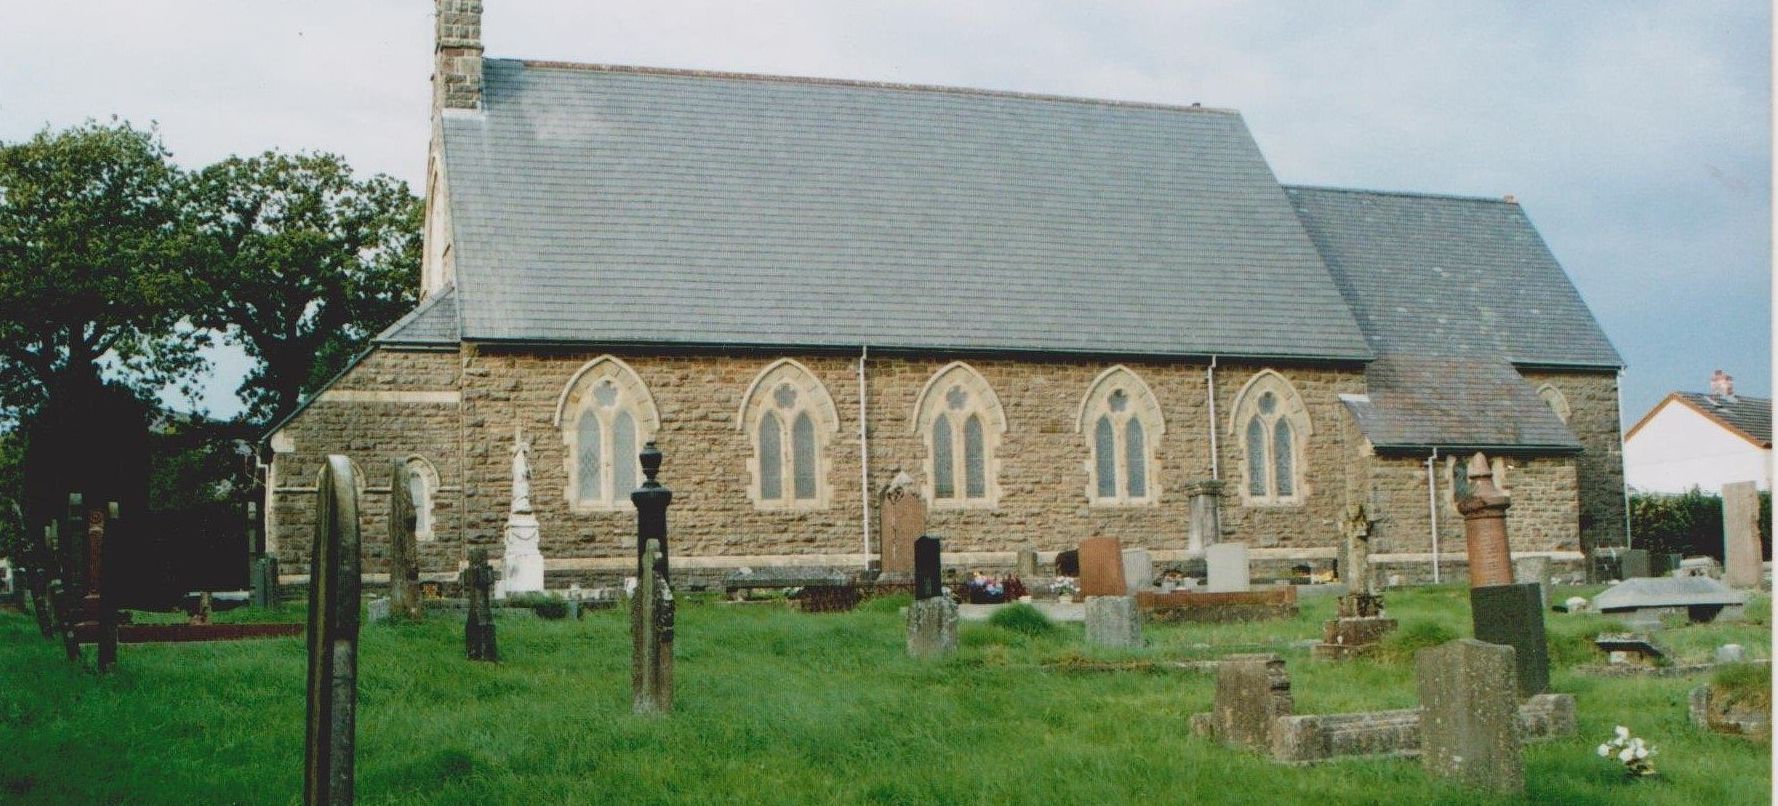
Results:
x,y
457,56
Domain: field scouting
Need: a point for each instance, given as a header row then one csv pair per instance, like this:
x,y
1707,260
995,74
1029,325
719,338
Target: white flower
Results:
x,y
1626,755
1641,753
1623,733
1604,751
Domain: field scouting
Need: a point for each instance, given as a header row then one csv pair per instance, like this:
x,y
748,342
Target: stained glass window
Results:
x,y
624,459
944,460
1105,457
1256,457
975,459
771,458
1282,460
802,440
587,457
1135,459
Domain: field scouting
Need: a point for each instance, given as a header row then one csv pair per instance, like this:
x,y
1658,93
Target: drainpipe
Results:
x,y
863,453
1432,509
1210,391
1623,485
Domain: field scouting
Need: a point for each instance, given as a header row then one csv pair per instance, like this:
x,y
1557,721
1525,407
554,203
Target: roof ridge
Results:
x,y
1403,193
862,84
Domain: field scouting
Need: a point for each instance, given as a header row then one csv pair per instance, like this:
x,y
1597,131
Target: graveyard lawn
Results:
x,y
775,706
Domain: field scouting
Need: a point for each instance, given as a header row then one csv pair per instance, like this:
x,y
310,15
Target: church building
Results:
x,y
1060,317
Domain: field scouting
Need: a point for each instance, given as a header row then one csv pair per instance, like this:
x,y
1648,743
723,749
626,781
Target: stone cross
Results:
x,y
478,627
901,519
928,568
1355,565
652,608
1740,535
1469,727
334,586
404,565
1484,527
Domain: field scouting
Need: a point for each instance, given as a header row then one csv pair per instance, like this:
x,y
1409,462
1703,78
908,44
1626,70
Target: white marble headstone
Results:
x,y
1227,563
1138,570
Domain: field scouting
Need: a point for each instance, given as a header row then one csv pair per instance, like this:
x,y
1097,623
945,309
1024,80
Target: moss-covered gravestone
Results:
x,y
1469,729
334,583
404,564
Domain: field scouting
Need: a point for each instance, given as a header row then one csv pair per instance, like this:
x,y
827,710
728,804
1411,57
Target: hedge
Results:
x,y
1688,523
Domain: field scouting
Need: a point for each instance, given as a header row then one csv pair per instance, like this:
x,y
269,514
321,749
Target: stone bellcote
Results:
x,y
457,56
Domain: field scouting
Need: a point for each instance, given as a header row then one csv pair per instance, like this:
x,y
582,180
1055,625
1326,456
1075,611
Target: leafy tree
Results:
x,y
304,264
94,267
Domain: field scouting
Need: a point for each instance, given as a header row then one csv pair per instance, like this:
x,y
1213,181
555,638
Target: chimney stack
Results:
x,y
1722,385
457,56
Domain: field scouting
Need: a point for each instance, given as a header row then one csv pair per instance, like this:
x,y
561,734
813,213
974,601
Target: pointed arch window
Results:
x,y
605,413
1121,419
959,418
423,487
1273,426
1557,401
790,418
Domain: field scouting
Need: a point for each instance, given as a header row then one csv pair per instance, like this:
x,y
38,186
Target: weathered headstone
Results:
x,y
928,568
1740,535
265,581
1469,728
1252,691
334,583
1534,570
1027,563
1226,566
1204,524
1114,621
652,608
1355,558
478,626
932,617
901,519
404,562
1102,567
1634,564
1138,571
521,569
1513,615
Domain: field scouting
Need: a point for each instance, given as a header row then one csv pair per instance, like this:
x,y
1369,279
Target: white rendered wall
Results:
x,y
1678,448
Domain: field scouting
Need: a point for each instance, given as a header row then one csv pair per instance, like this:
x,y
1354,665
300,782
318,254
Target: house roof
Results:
x,y
431,323
632,206
1747,417
1451,293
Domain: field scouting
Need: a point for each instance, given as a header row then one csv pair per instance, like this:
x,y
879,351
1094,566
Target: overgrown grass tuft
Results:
x,y
1412,637
1743,684
1022,618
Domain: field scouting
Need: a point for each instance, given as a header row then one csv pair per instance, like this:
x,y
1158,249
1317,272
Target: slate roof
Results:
x,y
1752,416
630,206
1451,293
431,323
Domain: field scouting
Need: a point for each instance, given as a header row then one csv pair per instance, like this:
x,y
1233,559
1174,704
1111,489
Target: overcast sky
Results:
x,y
1636,135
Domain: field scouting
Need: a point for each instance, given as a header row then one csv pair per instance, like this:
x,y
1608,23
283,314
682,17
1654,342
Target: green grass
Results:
x,y
780,707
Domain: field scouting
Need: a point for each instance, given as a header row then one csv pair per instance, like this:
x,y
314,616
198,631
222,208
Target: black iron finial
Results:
x,y
651,463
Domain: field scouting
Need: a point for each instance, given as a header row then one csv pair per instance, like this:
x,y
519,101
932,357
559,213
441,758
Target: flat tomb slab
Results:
x,y
1222,607
1633,594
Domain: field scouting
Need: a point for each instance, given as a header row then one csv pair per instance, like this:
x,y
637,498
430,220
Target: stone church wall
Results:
x,y
1593,398
1042,462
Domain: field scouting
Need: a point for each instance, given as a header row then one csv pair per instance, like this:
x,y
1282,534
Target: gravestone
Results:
x,y
1102,567
1513,615
932,618
334,583
265,581
1634,564
1068,563
1226,565
1027,562
1114,621
1355,558
1469,729
901,519
1252,691
1484,527
1536,571
478,626
1663,563
1138,571
1740,535
928,568
404,562
652,610
521,569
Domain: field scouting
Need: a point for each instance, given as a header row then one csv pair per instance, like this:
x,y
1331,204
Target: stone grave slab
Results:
x,y
1138,571
1102,567
1642,602
1228,570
